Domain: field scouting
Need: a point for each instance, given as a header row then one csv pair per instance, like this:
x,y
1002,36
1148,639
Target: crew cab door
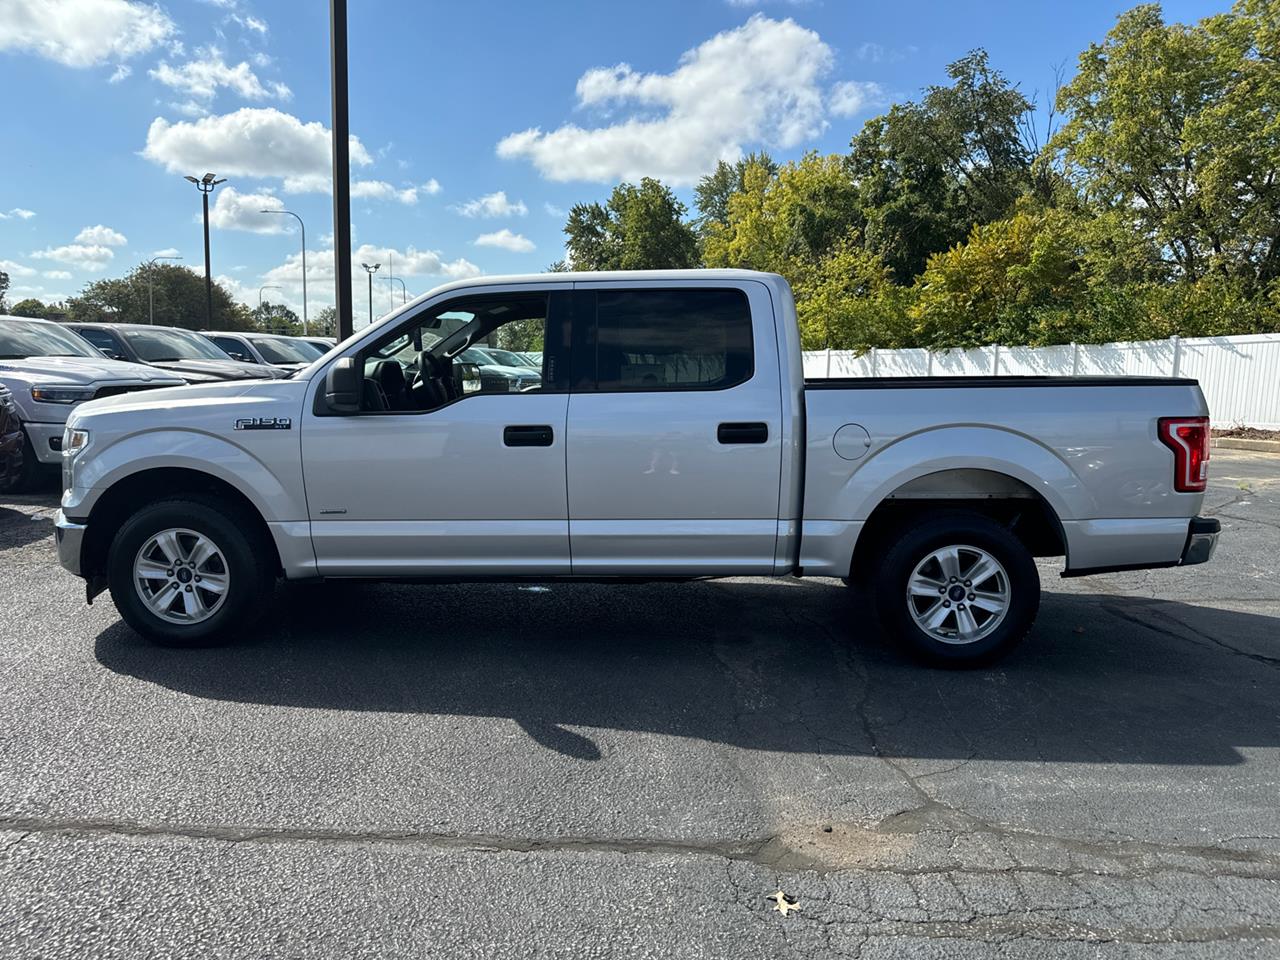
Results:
x,y
468,485
674,429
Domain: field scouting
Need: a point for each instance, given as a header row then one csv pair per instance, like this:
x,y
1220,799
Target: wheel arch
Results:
x,y
998,496
124,497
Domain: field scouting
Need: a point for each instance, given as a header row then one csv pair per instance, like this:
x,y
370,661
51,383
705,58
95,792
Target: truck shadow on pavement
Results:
x,y
782,666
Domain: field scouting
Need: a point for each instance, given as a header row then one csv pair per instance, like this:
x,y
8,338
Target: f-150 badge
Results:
x,y
264,423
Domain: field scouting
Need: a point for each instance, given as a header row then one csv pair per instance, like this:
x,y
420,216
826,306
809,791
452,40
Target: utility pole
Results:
x,y
305,328
341,167
205,185
371,271
404,293
151,287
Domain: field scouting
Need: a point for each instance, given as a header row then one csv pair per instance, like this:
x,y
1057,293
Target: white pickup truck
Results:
x,y
671,435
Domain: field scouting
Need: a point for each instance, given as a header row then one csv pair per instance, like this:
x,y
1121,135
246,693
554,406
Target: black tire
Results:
x,y
29,472
249,560
933,533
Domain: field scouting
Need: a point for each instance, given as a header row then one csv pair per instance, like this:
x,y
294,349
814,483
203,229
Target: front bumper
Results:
x,y
70,538
1202,540
46,441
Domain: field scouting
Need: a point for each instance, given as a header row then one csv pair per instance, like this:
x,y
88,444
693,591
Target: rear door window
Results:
x,y
677,339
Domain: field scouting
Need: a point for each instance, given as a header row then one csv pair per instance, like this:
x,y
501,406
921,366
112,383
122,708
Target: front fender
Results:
x,y
274,486
853,490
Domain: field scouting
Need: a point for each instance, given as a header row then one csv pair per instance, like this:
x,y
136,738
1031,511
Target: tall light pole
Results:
x,y
205,185
341,167
305,329
371,271
151,287
404,294
391,275
266,286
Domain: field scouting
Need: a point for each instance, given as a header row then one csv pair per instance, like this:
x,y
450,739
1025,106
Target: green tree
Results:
x,y
4,288
714,190
1174,128
928,172
29,308
276,318
639,228
325,323
179,300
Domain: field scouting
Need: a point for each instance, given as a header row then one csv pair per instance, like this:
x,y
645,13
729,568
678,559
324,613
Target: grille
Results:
x,y
116,389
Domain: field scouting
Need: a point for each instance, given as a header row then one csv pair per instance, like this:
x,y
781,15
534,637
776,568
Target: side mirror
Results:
x,y
343,386
468,375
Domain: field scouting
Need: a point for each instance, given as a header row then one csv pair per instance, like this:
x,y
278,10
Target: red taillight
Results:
x,y
1188,438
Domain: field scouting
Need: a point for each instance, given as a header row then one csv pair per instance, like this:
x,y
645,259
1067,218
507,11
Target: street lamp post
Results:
x,y
151,287
305,328
205,185
404,294
371,271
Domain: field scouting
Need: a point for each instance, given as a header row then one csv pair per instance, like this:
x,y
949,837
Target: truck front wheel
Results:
x,y
188,572
957,589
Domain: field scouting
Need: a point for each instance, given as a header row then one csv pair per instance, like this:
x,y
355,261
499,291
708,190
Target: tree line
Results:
x,y
1147,206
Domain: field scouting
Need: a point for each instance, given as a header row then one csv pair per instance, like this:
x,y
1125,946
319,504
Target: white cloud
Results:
x,y
234,210
381,190
201,78
431,187
122,72
757,84
853,96
56,274
251,23
875,53
81,256
15,269
492,205
18,212
554,211
505,240
251,142
101,236
82,33
410,262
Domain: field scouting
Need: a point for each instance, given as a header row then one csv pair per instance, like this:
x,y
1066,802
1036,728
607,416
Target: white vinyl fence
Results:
x,y
1240,376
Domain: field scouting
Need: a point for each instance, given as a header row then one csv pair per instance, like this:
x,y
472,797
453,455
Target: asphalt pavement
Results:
x,y
631,771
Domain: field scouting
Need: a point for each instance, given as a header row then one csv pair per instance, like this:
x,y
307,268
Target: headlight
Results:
x,y
61,394
73,441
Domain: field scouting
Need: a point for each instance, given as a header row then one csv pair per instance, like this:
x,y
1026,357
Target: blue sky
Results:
x,y
478,123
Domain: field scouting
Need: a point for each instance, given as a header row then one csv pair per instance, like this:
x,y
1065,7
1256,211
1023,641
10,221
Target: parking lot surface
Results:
x,y
599,771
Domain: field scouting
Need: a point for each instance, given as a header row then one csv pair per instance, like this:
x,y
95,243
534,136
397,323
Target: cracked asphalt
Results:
x,y
629,771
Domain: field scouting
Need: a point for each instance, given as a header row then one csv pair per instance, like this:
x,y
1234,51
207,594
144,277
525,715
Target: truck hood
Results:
x,y
81,371
212,407
208,371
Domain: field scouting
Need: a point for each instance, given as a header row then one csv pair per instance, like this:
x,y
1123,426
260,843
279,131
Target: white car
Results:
x,y
671,435
49,370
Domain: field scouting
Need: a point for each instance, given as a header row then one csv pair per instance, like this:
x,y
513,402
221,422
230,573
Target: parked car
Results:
x,y
323,344
49,370
11,441
186,353
497,375
271,349
685,444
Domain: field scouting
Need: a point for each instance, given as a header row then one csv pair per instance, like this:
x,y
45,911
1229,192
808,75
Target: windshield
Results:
x,y
285,350
20,339
508,358
160,346
473,355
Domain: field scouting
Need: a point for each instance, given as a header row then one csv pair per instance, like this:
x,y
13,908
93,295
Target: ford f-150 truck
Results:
x,y
671,435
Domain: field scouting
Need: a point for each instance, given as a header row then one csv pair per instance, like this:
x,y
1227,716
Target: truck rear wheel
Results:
x,y
957,590
188,572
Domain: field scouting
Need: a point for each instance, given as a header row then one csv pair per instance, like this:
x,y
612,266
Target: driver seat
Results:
x,y
434,372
